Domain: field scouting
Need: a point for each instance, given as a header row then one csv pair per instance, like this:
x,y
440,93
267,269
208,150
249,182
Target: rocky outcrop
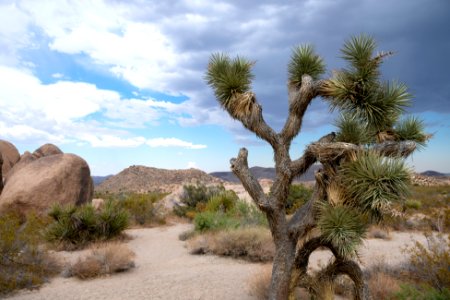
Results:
x,y
46,150
418,179
38,184
143,179
10,156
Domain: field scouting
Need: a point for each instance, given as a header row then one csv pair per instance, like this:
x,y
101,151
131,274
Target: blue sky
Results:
x,y
121,83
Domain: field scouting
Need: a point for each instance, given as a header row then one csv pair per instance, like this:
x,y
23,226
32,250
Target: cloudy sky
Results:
x,y
122,82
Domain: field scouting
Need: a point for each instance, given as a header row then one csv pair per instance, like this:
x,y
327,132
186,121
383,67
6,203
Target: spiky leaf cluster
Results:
x,y
358,89
343,226
229,78
373,182
352,130
305,61
411,129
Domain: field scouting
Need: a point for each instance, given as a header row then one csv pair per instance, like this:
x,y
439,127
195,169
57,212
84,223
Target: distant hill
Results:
x,y
265,173
99,179
146,179
433,174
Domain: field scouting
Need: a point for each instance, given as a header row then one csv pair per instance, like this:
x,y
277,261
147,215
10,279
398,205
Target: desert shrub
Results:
x,y
194,199
259,283
298,195
413,204
213,221
74,227
223,202
378,233
23,264
412,292
252,243
383,286
249,215
102,260
142,209
240,214
430,263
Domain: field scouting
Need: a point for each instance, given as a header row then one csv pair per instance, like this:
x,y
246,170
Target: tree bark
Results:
x,y
283,263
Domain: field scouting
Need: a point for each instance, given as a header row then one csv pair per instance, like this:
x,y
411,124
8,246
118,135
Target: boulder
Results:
x,y
59,178
10,156
24,160
46,150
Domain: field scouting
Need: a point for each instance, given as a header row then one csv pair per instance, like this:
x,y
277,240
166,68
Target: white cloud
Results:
x,y
173,142
59,113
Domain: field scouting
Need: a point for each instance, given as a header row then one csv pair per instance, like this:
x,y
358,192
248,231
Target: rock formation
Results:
x,y
10,156
41,182
143,179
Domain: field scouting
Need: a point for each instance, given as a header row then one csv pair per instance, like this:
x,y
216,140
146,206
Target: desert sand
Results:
x,y
166,270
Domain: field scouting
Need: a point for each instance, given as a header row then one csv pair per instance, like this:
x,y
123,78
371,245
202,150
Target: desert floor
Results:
x,y
166,270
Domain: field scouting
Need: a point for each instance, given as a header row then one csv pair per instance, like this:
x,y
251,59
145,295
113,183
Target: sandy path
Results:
x,y
165,270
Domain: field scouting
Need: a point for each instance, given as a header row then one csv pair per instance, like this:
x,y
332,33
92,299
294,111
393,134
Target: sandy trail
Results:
x,y
166,270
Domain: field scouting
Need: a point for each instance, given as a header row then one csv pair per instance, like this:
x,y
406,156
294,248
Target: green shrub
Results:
x,y
430,264
213,221
195,197
298,195
413,204
248,214
74,227
223,202
410,292
240,214
23,264
142,209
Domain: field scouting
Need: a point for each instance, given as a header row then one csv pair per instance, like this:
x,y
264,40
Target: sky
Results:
x,y
121,83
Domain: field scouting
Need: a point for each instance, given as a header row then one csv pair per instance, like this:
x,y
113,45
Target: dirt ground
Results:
x,y
166,270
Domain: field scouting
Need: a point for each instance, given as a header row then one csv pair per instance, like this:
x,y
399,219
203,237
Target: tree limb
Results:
x,y
304,219
300,166
328,152
249,112
350,268
299,99
239,166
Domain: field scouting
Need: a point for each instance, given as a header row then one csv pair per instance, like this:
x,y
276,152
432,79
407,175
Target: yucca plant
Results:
x,y
362,164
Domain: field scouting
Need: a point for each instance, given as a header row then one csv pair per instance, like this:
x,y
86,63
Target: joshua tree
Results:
x,y
362,171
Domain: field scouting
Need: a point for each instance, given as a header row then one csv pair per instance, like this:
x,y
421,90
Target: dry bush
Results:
x,y
24,263
251,243
104,259
430,263
383,286
259,283
378,233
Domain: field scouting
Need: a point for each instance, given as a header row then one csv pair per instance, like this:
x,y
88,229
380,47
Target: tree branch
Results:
x,y
349,268
239,166
247,110
299,99
301,165
396,149
304,219
328,152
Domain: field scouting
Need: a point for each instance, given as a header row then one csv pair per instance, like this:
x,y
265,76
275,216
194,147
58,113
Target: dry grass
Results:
x,y
259,282
383,286
378,233
104,259
253,243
